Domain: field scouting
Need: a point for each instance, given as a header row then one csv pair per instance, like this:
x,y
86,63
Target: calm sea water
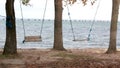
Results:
x,y
99,35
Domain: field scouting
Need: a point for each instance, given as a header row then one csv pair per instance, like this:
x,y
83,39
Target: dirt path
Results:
x,y
73,58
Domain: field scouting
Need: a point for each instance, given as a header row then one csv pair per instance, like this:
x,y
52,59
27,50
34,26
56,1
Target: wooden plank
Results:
x,y
33,38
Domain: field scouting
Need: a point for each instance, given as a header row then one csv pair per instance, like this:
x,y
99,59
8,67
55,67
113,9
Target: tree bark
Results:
x,y
10,43
113,28
58,40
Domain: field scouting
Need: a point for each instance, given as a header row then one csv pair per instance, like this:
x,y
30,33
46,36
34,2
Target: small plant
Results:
x,y
72,56
9,56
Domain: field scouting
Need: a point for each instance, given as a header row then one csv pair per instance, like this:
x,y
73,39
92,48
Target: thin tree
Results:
x,y
58,38
113,28
10,43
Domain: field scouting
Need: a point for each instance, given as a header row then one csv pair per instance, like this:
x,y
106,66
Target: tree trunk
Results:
x,y
10,43
58,40
113,28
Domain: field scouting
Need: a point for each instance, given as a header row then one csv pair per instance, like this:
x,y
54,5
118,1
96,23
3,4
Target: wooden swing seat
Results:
x,y
33,38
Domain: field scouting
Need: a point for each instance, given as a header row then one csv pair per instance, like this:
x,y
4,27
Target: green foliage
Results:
x,y
83,1
25,2
70,2
10,56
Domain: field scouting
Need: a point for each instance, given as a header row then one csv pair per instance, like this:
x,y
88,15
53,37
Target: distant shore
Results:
x,y
77,20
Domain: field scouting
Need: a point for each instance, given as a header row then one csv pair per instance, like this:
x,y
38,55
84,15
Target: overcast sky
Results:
x,y
77,11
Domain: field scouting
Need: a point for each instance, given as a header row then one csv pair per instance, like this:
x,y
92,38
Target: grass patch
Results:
x,y
10,56
65,55
72,56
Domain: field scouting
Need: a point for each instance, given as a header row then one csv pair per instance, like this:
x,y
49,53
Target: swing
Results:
x,y
32,38
88,38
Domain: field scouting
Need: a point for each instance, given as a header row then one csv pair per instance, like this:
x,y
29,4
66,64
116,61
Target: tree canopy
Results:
x,y
26,2
83,1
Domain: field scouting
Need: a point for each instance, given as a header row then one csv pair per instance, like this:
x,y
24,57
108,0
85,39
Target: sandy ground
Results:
x,y
72,58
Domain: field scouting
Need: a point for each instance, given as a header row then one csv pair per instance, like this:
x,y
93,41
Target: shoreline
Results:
x,y
70,49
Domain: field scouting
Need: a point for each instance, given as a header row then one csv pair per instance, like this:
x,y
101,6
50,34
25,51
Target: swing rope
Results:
x,y
88,38
70,22
22,20
43,17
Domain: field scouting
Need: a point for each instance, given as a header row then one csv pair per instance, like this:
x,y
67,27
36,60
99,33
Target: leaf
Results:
x,y
25,2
